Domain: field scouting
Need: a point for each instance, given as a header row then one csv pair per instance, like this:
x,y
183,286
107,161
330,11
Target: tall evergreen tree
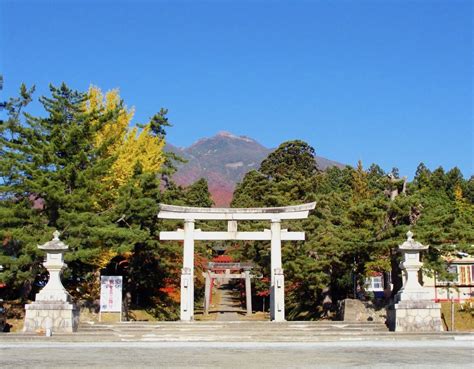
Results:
x,y
291,158
422,176
198,194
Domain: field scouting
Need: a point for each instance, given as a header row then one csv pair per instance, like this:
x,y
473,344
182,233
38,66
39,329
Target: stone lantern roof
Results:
x,y
54,244
411,244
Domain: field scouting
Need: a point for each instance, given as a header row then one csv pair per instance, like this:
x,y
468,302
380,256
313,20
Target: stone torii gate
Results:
x,y
275,234
212,275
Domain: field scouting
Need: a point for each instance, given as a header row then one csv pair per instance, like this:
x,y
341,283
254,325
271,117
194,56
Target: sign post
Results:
x,y
110,295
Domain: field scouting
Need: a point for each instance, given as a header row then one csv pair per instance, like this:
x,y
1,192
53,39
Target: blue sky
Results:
x,y
389,82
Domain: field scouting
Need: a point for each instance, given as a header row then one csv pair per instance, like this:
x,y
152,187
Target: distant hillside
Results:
x,y
224,160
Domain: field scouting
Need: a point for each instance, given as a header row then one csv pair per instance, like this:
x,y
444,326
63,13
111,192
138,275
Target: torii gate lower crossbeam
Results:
x,y
190,214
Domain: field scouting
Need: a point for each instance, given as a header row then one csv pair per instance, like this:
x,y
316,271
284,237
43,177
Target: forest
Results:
x,y
83,168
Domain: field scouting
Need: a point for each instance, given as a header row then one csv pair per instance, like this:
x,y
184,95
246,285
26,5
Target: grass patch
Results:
x,y
463,319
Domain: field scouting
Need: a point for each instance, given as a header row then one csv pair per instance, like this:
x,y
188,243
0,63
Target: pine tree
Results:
x,y
360,184
252,191
438,180
291,158
422,176
375,176
198,194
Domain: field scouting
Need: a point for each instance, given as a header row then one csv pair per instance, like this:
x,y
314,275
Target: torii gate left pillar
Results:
x,y
231,215
187,273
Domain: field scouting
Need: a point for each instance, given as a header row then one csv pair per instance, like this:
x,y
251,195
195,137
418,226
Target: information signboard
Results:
x,y
110,294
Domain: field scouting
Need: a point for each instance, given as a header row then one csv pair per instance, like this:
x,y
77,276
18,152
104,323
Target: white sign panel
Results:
x,y
111,293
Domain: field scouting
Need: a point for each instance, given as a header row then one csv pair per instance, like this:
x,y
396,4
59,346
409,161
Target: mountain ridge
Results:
x,y
223,160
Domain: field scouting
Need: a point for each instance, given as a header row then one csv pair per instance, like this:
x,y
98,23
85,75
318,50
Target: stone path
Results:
x,y
229,308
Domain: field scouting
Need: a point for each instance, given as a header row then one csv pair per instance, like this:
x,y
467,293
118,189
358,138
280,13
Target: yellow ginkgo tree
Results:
x,y
138,147
127,146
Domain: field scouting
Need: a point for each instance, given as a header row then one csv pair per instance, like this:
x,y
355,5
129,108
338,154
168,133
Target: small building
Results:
x,y
461,288
380,284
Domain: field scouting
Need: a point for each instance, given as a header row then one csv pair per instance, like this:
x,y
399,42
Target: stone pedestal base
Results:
x,y
187,295
277,298
58,316
415,316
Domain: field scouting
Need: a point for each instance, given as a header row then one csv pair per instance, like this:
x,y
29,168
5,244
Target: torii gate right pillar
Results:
x,y
277,284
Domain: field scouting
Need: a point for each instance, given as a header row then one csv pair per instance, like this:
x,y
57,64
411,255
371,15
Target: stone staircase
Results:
x,y
237,331
233,331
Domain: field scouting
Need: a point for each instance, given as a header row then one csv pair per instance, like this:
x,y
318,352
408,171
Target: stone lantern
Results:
x,y
53,309
413,310
410,266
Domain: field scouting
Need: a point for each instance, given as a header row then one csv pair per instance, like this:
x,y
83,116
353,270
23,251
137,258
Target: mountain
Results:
x,y
224,160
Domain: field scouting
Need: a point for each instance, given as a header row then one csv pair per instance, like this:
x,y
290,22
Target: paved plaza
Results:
x,y
365,354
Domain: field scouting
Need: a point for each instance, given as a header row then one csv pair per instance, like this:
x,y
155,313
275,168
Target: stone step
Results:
x,y
238,324
256,337
269,327
233,333
233,323
217,331
190,331
213,329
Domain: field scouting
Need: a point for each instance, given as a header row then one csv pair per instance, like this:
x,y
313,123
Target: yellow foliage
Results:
x,y
458,195
379,265
461,202
102,259
360,183
127,254
114,131
137,148
128,146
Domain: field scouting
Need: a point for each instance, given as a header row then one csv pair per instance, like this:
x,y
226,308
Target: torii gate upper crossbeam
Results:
x,y
281,213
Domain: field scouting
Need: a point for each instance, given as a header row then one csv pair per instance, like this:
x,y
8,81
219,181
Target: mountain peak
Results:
x,y
223,160
230,135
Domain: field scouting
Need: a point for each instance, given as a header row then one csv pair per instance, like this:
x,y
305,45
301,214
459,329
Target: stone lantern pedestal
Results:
x,y
413,310
52,310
